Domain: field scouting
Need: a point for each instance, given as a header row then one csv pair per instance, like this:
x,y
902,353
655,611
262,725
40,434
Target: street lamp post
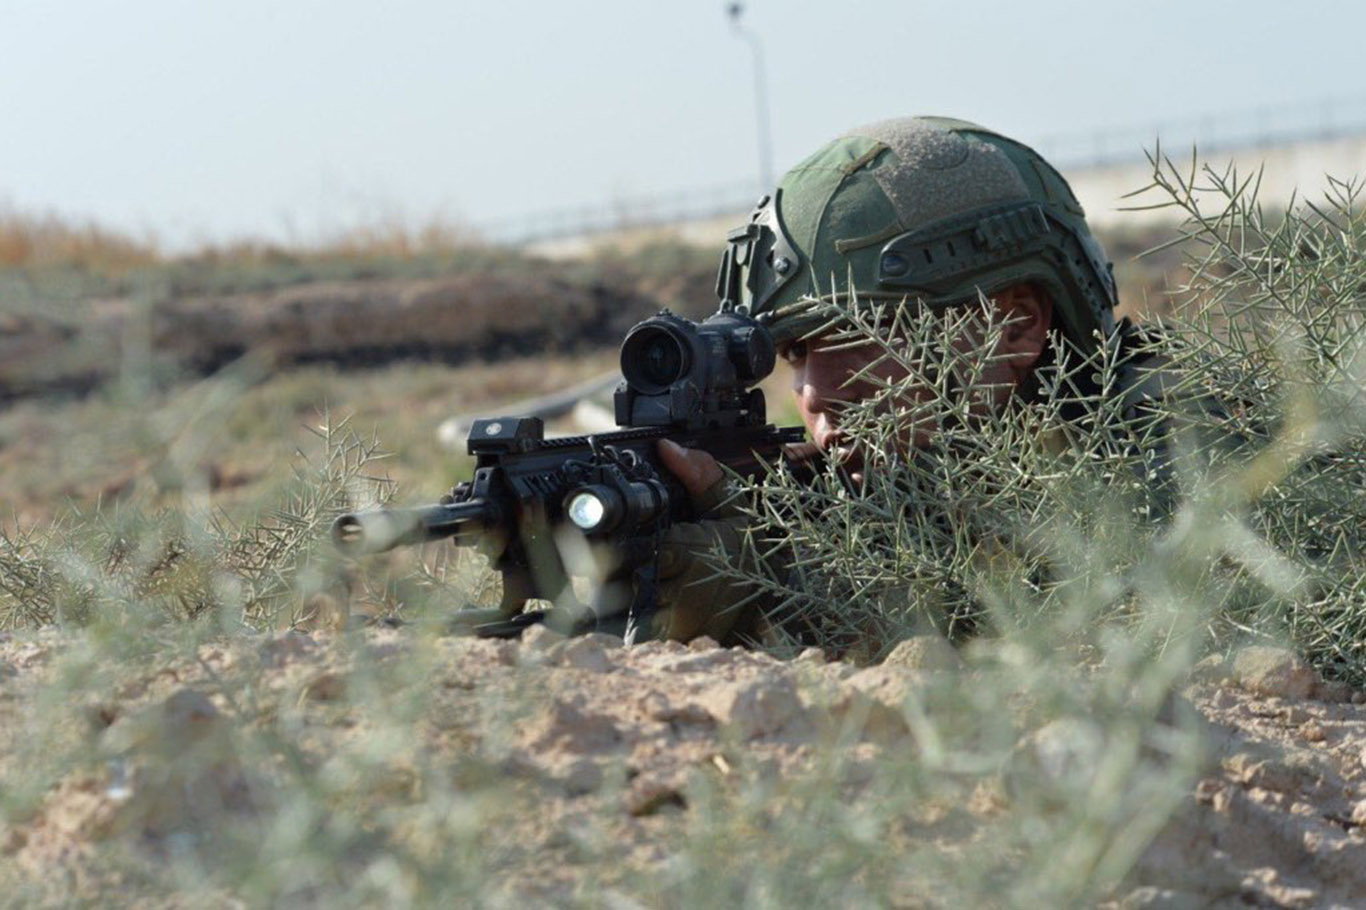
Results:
x,y
735,10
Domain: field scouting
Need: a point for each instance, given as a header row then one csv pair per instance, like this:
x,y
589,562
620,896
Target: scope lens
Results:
x,y
586,510
652,359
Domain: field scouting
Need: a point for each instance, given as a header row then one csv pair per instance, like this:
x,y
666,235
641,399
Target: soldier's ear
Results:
x,y
1028,311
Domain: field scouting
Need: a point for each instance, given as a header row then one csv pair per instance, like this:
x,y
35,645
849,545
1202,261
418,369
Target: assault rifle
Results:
x,y
534,501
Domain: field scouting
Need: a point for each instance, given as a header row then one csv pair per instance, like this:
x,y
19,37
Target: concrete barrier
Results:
x,y
1290,168
1296,170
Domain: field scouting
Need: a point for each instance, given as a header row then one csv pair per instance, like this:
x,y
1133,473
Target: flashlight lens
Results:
x,y
586,510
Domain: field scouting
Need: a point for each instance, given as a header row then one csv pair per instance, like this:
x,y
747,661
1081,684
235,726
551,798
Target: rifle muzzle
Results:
x,y
360,533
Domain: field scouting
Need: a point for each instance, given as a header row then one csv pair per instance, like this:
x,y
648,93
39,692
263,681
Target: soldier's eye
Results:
x,y
794,352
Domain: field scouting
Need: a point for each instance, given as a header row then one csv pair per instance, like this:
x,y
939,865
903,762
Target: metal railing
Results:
x,y
1262,127
676,207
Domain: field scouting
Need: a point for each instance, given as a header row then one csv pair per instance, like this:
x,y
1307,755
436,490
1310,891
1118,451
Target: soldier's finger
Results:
x,y
695,469
801,452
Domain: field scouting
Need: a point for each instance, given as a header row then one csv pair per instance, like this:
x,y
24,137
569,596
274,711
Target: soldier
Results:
x,y
928,212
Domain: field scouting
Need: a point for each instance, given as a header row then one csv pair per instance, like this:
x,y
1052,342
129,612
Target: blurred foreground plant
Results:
x,y
184,564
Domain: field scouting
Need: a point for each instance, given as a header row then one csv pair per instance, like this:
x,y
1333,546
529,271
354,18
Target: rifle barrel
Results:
x,y
358,533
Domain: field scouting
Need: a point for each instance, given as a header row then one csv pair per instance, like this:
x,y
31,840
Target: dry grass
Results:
x,y
43,242
40,241
32,240
229,436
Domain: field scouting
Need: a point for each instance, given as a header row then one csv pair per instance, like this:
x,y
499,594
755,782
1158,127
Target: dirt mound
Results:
x,y
1280,818
452,319
619,746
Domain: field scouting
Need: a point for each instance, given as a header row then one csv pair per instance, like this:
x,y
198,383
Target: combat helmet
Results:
x,y
928,209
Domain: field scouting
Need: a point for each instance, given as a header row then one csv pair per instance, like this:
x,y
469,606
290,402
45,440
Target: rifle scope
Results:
x,y
687,374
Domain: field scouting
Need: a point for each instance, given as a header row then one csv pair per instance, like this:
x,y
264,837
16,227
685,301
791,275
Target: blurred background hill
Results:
x,y
399,325
217,224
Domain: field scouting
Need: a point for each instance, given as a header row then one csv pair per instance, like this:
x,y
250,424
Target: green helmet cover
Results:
x,y
918,208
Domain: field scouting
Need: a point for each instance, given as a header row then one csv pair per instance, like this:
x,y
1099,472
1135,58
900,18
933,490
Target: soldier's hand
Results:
x,y
801,453
698,471
694,598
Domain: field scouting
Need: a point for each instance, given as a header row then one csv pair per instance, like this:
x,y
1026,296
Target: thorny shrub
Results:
x,y
1225,443
186,565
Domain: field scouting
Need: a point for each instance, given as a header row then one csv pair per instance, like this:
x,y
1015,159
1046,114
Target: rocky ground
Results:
x,y
1279,817
609,747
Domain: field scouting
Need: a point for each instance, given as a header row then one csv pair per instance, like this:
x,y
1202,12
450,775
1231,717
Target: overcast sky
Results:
x,y
211,120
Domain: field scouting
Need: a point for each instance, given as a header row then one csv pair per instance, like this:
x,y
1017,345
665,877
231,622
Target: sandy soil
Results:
x,y
614,739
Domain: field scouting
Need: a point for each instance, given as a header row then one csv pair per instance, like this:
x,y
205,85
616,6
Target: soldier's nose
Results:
x,y
812,398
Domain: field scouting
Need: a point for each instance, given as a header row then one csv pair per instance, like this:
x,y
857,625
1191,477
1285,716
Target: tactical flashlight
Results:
x,y
595,508
601,508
